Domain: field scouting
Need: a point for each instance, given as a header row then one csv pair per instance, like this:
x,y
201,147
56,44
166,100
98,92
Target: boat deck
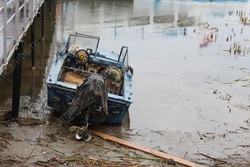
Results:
x,y
72,78
77,78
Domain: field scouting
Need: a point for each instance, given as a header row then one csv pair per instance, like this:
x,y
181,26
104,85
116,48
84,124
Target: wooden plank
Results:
x,y
74,78
144,149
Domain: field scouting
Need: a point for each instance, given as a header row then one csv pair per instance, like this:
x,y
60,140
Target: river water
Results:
x,y
186,83
174,79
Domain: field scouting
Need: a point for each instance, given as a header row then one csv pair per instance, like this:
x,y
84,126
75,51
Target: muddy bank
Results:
x,y
53,145
32,143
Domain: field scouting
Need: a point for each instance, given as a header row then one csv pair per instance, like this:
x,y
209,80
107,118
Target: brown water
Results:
x,y
179,87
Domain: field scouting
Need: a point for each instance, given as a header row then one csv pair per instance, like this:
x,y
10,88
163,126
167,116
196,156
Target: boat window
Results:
x,y
123,55
85,42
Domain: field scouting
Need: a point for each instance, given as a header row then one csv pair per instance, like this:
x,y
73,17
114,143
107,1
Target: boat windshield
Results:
x,y
123,58
86,42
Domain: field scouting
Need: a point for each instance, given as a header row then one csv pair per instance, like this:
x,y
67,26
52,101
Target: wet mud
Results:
x,y
33,143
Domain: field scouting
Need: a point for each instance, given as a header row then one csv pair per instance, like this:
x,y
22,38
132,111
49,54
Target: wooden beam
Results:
x,y
144,149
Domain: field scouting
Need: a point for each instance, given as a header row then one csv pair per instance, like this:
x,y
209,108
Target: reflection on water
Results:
x,y
174,77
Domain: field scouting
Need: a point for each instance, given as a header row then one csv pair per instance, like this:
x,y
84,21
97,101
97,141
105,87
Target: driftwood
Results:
x,y
201,138
215,159
54,149
144,149
244,128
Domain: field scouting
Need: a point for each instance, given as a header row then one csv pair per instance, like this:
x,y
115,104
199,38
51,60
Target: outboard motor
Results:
x,y
89,105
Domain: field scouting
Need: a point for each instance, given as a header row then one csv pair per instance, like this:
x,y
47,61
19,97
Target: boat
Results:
x,y
90,85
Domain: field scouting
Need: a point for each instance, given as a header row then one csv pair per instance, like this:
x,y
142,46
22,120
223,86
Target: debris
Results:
x,y
215,91
208,135
9,162
29,121
156,132
24,157
6,142
215,159
3,114
84,161
104,153
34,138
144,149
185,154
228,97
76,129
244,128
6,135
41,164
53,137
229,109
244,146
31,139
200,135
49,162
54,149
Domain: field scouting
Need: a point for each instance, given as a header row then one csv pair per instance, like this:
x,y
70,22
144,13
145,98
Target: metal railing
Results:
x,y
16,16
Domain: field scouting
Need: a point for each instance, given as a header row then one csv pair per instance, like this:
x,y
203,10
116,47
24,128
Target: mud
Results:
x,y
28,144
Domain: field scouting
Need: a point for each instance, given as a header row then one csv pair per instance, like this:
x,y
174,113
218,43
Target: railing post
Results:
x,y
36,6
50,6
17,22
43,19
24,14
31,10
33,45
5,18
17,74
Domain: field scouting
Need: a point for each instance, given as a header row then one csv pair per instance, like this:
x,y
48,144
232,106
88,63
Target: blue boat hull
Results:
x,y
60,98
